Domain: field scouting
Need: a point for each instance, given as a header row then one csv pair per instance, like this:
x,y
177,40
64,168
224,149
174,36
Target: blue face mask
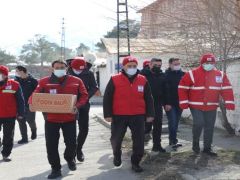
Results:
x,y
59,72
208,67
131,71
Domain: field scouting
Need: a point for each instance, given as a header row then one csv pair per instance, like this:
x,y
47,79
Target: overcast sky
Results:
x,y
86,21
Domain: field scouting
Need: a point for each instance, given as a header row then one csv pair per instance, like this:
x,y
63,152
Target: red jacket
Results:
x,y
200,89
11,100
69,85
128,99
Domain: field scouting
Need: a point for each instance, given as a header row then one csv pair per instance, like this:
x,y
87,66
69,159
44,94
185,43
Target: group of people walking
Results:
x,y
16,95
133,98
136,99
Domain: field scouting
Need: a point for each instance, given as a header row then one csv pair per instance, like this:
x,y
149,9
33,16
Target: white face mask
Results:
x,y
77,71
176,68
208,67
131,71
1,77
59,72
16,74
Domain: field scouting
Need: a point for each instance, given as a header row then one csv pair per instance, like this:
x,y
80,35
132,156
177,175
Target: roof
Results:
x,y
138,45
151,6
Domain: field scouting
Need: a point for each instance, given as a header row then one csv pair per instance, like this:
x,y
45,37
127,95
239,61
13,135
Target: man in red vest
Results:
x,y
61,83
200,90
11,107
127,102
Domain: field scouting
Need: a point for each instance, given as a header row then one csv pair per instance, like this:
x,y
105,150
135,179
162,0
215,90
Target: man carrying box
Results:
x,y
60,83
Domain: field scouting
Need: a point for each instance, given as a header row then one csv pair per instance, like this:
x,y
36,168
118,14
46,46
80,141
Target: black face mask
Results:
x,y
2,83
156,69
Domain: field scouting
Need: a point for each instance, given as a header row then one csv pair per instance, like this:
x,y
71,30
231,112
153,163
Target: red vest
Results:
x,y
8,102
201,90
128,99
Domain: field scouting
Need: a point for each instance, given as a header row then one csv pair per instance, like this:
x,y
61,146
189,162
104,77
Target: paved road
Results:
x,y
30,160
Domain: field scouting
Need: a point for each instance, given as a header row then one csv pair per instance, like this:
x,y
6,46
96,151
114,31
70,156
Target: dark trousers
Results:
x,y
148,127
157,126
203,120
8,126
83,125
173,116
118,129
30,119
52,136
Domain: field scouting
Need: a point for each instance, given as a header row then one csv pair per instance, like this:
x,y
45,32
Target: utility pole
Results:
x,y
63,41
122,29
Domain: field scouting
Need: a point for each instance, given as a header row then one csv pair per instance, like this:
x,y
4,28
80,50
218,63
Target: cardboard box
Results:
x,y
53,103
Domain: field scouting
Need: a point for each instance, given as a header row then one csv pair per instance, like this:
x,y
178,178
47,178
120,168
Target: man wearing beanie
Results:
x,y
200,90
11,107
127,102
78,68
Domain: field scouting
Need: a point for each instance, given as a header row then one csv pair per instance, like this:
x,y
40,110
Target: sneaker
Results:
x,y
175,146
34,134
136,168
6,159
80,156
117,161
210,152
72,165
23,141
55,174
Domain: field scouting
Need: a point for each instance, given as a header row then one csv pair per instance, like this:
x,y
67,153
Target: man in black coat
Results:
x,y
79,68
173,76
28,85
157,82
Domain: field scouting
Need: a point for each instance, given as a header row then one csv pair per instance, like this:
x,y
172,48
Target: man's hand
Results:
x,y
150,119
75,110
108,119
168,107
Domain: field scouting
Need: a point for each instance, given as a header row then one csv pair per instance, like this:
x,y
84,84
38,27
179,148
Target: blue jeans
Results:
x,y
173,116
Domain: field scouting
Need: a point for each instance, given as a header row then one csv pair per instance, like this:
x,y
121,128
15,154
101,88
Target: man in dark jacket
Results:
x,y
11,107
127,102
78,68
157,82
173,76
28,85
61,83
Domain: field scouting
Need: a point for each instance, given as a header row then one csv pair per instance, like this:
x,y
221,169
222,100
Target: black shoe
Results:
x,y
55,174
137,168
80,156
72,165
196,150
210,152
34,134
6,159
158,149
23,141
117,161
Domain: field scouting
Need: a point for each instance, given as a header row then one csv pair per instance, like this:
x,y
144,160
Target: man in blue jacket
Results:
x,y
28,85
173,76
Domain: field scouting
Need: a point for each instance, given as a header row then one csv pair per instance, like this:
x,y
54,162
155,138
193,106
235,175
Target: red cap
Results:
x,y
129,59
78,63
146,63
208,58
4,70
